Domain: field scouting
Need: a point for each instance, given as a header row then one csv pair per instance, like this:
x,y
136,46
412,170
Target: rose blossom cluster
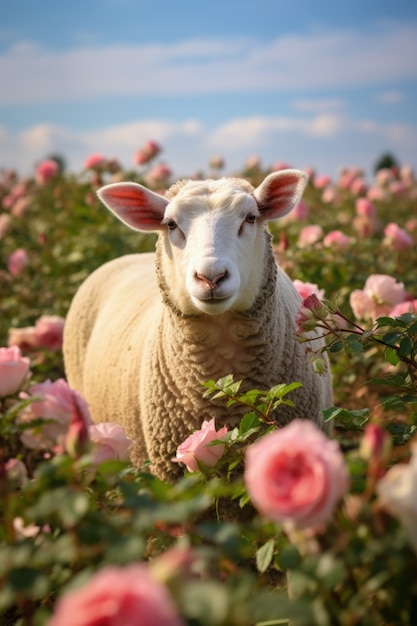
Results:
x,y
67,422
46,333
380,297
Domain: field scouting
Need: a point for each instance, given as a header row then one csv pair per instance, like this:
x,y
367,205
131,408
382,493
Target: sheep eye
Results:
x,y
171,224
250,218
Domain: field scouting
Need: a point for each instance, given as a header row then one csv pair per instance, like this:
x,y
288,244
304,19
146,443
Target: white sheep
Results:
x,y
146,330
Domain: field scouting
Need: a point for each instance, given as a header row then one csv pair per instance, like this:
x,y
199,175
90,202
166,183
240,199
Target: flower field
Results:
x,y
86,539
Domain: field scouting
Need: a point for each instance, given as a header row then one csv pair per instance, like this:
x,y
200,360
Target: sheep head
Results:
x,y
212,234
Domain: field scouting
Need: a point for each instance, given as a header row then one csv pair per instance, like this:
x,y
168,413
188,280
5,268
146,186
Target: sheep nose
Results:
x,y
211,283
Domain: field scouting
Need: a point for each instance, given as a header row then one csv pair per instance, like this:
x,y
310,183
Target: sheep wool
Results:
x,y
144,331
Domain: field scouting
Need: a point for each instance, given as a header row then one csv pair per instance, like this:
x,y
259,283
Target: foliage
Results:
x,y
69,517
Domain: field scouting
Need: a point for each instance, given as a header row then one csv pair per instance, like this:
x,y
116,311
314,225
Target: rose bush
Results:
x,y
73,506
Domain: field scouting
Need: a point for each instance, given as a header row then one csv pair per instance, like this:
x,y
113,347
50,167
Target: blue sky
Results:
x,y
321,84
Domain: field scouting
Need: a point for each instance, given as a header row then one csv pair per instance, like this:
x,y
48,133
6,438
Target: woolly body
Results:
x,y
139,353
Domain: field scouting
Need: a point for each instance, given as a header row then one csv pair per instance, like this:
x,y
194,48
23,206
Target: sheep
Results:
x,y
144,331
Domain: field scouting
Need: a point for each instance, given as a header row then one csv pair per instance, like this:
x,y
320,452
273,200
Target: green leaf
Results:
x,y
391,356
406,346
264,556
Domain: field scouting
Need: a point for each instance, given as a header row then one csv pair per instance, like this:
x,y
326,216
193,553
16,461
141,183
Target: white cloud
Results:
x,y
390,97
313,61
326,141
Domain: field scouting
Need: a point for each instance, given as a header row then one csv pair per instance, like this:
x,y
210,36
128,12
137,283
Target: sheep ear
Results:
x,y
278,194
133,204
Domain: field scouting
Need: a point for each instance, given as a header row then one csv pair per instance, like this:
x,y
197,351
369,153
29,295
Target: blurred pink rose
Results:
x,y
253,163
296,475
195,451
337,239
376,443
378,297
55,404
309,235
376,194
300,212
14,370
322,181
398,237
410,224
306,289
49,331
409,306
281,165
25,338
95,161
216,163
364,208
16,472
77,440
5,221
17,261
358,186
158,176
118,596
109,442
150,150
46,171
384,176
330,196
397,492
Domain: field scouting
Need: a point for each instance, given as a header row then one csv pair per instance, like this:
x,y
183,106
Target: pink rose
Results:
x,y
376,443
397,492
110,442
94,161
380,294
364,208
195,451
409,306
296,475
55,404
310,235
322,181
337,239
17,261
14,370
398,237
45,171
5,221
149,151
158,176
310,311
49,330
118,596
24,338
306,289
300,212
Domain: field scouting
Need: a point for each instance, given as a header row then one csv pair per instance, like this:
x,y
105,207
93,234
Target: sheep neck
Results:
x,y
237,343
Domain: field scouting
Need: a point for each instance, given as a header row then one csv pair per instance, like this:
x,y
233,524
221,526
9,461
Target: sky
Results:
x,y
312,84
